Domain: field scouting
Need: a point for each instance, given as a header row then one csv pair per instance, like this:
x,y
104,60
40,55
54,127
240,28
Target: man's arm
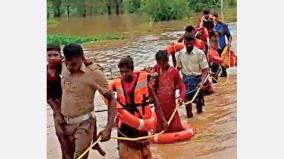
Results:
x,y
103,87
203,76
178,62
174,59
54,104
181,87
205,67
180,84
111,110
105,134
180,39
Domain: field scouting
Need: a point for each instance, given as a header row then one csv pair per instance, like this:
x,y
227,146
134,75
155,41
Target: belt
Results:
x,y
81,118
189,75
195,76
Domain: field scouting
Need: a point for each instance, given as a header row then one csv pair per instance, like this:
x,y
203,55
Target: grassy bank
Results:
x,y
51,22
63,39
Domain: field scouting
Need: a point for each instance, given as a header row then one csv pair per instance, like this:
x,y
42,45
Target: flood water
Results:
x,y
216,136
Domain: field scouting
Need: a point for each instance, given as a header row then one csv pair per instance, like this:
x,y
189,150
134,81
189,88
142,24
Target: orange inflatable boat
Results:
x,y
148,122
174,137
143,118
174,47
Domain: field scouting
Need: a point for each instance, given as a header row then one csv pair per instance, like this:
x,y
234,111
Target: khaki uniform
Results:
x,y
78,91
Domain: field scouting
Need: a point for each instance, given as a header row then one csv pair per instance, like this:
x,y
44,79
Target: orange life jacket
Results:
x,y
214,56
138,113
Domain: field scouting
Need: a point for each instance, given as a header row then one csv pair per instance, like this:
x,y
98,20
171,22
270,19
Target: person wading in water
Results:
x,y
133,91
165,87
54,92
194,68
224,32
79,85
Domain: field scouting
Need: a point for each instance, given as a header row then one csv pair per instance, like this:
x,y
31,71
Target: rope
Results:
x,y
171,118
228,75
89,148
227,80
149,136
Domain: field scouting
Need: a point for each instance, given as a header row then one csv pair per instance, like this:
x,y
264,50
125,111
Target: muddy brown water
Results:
x,y
216,136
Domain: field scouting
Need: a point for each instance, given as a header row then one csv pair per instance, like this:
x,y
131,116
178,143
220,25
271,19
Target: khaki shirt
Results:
x,y
78,89
192,64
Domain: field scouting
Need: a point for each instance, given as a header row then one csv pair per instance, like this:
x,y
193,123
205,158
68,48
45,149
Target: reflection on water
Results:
x,y
216,127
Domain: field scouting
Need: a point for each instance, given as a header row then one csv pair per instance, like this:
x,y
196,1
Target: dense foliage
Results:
x,y
160,10
157,10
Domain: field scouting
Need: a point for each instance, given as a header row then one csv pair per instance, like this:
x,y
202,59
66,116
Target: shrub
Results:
x,y
199,5
132,6
160,10
64,40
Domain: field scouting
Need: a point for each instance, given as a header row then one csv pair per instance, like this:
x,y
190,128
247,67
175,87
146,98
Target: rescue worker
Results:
x,y
133,91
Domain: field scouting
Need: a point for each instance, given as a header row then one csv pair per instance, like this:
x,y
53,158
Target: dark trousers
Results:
x,y
190,83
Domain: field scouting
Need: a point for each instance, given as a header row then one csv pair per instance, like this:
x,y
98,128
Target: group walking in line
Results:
x,y
73,80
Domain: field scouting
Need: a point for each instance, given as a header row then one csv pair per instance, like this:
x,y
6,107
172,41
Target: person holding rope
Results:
x,y
79,84
165,87
200,44
194,68
54,92
223,31
133,91
214,58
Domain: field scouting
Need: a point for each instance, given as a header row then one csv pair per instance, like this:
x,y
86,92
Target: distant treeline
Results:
x,y
157,10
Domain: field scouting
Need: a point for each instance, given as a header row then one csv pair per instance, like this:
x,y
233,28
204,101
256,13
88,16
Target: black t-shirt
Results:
x,y
54,85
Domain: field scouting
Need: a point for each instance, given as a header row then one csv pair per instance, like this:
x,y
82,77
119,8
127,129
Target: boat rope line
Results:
x,y
149,136
228,75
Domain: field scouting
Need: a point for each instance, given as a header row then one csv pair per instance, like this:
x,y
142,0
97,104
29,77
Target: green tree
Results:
x,y
132,6
56,5
49,9
232,3
160,10
199,5
155,9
